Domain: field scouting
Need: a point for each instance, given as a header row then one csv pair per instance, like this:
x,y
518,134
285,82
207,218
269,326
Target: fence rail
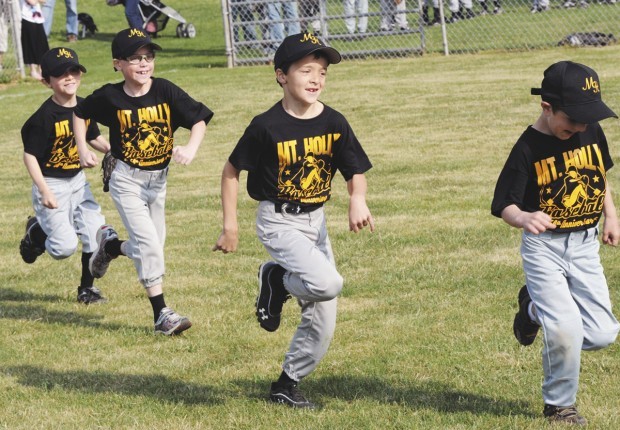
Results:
x,y
385,29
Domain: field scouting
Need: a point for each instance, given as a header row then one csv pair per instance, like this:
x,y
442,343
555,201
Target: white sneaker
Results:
x,y
170,323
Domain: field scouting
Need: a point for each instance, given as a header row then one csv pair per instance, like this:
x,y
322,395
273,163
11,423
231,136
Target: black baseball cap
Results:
x,y
57,61
128,41
574,89
297,46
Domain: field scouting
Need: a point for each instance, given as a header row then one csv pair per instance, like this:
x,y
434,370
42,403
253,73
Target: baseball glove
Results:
x,y
107,167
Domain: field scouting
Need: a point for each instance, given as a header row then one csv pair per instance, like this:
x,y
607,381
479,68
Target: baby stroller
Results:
x,y
155,15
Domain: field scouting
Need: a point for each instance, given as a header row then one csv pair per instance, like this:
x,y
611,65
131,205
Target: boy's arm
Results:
x,y
185,154
229,238
359,214
611,228
48,199
533,222
87,157
101,144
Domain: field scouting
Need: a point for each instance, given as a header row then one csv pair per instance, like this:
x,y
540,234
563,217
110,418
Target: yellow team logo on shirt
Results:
x,y
572,190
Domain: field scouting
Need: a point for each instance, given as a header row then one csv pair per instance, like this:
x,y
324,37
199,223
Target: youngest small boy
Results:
x,y
64,205
554,187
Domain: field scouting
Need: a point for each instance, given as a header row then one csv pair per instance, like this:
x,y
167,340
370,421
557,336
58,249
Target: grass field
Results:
x,y
424,336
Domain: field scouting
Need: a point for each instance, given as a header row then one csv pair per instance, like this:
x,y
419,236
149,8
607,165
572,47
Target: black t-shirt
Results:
x,y
563,178
142,128
48,136
293,160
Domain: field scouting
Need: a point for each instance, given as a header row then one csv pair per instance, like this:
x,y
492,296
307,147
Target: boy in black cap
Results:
x,y
554,187
292,152
64,205
142,113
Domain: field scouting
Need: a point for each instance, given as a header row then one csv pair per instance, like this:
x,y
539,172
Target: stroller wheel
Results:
x,y
190,31
186,30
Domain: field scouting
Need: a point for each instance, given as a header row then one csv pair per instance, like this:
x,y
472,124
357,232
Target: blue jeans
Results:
x,y
71,18
132,13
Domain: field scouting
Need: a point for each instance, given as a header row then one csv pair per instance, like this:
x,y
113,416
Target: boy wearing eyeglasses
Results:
x,y
142,112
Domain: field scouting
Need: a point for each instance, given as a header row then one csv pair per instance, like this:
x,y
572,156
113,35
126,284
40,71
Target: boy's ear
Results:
x,y
280,76
46,82
546,107
115,63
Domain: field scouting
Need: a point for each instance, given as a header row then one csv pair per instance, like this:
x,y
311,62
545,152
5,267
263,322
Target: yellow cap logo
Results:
x,y
591,84
136,32
62,52
309,37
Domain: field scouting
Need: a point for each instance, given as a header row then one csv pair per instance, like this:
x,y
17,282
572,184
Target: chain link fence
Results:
x,y
392,28
11,63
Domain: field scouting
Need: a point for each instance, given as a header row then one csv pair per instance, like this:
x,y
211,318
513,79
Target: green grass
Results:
x,y
424,335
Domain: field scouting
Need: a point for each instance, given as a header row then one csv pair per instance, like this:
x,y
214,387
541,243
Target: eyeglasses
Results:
x,y
137,59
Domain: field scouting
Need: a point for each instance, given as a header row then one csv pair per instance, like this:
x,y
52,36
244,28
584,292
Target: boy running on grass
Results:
x,y
554,187
64,205
142,113
291,153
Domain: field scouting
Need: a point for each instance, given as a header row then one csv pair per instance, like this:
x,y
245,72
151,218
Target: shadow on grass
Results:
x,y
418,395
41,314
8,294
158,387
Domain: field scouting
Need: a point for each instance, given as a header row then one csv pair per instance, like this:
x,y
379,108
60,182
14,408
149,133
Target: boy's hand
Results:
x,y
532,222
183,155
48,199
227,242
611,231
88,158
536,222
359,215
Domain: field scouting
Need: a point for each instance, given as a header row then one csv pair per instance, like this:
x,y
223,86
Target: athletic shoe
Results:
x,y
498,10
90,295
100,260
170,323
524,328
270,299
567,415
289,394
27,248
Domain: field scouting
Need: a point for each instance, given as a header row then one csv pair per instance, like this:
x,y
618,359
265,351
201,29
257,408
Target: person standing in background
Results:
x,y
71,18
350,9
6,17
34,42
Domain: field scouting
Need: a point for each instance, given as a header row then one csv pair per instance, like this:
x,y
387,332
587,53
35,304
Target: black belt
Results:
x,y
294,208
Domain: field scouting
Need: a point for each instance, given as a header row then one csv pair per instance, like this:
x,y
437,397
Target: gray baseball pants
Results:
x,y
567,285
78,214
300,244
140,198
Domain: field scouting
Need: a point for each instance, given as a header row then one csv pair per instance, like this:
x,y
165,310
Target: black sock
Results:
x,y
285,380
158,304
87,278
113,248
